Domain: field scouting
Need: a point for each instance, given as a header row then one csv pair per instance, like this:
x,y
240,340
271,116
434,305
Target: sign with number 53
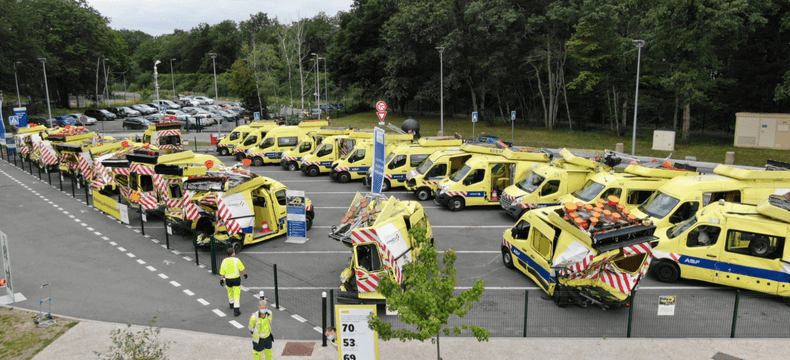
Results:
x,y
355,340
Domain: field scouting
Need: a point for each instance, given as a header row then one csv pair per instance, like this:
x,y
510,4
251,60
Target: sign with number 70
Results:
x,y
356,341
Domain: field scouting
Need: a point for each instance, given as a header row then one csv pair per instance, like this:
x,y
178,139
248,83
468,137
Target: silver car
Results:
x,y
204,100
78,116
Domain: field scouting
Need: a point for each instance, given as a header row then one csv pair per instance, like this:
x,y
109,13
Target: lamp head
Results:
x,y
172,59
639,43
157,63
43,60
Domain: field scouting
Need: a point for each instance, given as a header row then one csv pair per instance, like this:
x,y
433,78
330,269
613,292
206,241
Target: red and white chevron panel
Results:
x,y
224,213
48,154
121,171
342,168
101,177
147,200
370,235
190,209
290,158
85,165
605,271
168,132
370,284
457,193
210,199
171,147
142,169
308,163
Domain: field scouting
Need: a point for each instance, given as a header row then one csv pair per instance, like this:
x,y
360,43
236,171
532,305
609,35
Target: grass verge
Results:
x,y
21,339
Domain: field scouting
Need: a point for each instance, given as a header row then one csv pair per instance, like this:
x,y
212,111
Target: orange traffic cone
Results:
x,y
494,195
265,227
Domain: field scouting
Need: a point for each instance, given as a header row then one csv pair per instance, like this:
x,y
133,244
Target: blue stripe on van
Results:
x,y
735,269
545,274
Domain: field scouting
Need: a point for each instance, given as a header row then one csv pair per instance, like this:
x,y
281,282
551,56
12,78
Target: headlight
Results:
x,y
443,189
518,200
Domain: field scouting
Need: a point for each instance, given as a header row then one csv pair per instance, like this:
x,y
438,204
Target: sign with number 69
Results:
x,y
356,341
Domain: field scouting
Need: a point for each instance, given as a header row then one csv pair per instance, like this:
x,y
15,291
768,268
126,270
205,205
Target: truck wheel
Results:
x,y
423,193
786,300
385,185
308,222
293,166
257,161
507,258
224,151
760,247
236,245
456,203
239,156
344,177
666,271
560,297
313,171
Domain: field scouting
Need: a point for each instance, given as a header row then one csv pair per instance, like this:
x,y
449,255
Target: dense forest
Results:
x,y
561,64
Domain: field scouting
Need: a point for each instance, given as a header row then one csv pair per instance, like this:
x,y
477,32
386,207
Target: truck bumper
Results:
x,y
512,210
441,199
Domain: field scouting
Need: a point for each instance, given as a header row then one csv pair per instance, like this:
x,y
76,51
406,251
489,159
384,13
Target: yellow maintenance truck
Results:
x,y
376,229
481,180
256,138
357,162
49,150
279,140
407,157
24,142
166,136
238,207
332,148
581,255
738,245
292,159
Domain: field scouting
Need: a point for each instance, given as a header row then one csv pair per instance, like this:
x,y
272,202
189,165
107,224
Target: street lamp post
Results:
x,y
441,90
173,81
639,44
106,91
18,99
156,85
317,86
46,87
326,88
214,62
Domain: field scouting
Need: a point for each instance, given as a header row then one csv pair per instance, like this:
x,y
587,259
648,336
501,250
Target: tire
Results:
x,y
760,247
257,161
507,258
313,171
423,193
224,151
308,222
293,166
239,157
344,177
456,203
385,185
560,296
236,245
666,271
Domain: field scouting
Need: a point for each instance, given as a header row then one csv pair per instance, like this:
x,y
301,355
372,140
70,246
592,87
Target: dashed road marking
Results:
x,y
204,302
121,249
163,276
299,318
236,324
140,261
186,291
97,233
149,267
187,258
90,229
175,284
105,238
130,255
83,224
219,313
318,329
113,243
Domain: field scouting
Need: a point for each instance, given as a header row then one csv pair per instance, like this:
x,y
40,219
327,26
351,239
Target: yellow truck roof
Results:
x,y
263,124
580,161
743,174
663,173
242,128
525,154
31,129
439,142
312,123
776,207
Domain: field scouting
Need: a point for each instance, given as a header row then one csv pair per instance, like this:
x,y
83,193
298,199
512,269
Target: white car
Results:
x,y
204,100
167,104
91,121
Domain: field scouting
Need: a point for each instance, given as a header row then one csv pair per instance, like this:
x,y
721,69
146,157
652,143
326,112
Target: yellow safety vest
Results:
x,y
260,327
231,267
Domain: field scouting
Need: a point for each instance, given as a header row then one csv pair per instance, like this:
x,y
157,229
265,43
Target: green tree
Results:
x,y
428,298
242,84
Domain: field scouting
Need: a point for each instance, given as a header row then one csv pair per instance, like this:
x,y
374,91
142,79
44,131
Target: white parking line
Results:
x,y
97,233
299,318
219,313
163,276
204,302
113,243
121,249
130,255
236,324
140,261
105,238
175,284
318,329
186,291
149,267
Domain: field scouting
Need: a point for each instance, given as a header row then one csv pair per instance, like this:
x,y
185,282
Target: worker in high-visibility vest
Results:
x,y
230,277
261,330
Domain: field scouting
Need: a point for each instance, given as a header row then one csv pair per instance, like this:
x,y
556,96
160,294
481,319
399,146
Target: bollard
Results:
x,y
167,231
60,177
276,289
39,171
332,307
620,147
729,158
30,167
15,160
196,144
49,177
631,312
323,318
73,193
142,219
87,196
197,261
526,308
213,249
735,312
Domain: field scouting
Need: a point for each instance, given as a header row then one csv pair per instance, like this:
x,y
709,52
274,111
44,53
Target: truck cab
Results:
x,y
23,141
481,180
580,256
357,162
682,198
166,136
292,159
227,144
407,157
270,149
737,245
376,230
320,160
238,207
48,151
545,183
258,131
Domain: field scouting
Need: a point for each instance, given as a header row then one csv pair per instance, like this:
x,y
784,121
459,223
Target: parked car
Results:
x,y
155,106
209,107
138,123
129,112
115,110
327,107
63,120
189,102
207,119
143,109
204,100
42,120
100,114
167,104
193,110
77,116
315,112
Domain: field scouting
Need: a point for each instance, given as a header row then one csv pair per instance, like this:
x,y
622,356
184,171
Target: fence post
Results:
x,y
142,218
194,241
39,171
276,289
73,192
196,144
735,312
60,177
87,197
526,308
631,311
167,231
331,307
213,248
30,167
323,318
49,177
15,159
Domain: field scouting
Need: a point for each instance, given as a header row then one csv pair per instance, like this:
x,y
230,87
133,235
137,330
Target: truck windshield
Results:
x,y
659,205
389,158
590,190
460,173
531,182
267,143
678,229
304,146
424,166
234,135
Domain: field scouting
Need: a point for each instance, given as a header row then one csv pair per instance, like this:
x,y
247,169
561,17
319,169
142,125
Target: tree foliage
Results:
x,y
427,298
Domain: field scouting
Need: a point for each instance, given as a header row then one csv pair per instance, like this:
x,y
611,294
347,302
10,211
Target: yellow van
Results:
x,y
292,159
259,131
357,162
227,144
738,245
576,262
325,154
278,140
682,198
481,180
425,178
406,157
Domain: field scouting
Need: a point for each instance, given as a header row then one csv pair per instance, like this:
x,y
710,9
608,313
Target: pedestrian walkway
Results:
x,y
88,336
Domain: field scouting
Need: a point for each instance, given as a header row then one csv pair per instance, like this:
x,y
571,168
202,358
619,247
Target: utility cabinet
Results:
x,y
770,131
664,140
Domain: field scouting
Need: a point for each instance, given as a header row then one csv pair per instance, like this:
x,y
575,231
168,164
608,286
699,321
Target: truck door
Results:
x,y
477,189
700,253
264,212
540,254
752,260
280,208
549,192
367,266
499,179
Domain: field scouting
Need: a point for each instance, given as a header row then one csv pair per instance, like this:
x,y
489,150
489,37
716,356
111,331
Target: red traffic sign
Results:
x,y
381,106
382,115
84,119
